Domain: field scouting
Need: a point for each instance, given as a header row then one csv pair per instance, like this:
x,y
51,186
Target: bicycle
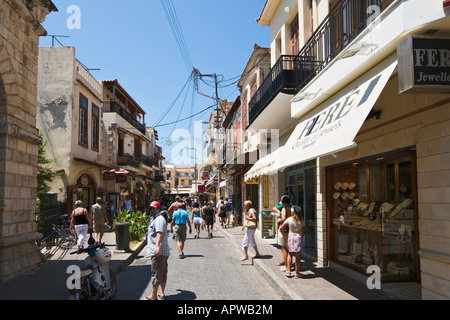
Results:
x,y
64,236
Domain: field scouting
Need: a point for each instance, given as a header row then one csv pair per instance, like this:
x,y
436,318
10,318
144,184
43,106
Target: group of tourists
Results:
x,y
291,232
81,220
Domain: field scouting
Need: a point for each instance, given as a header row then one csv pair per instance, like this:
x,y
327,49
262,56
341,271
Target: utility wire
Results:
x,y
173,103
184,119
172,16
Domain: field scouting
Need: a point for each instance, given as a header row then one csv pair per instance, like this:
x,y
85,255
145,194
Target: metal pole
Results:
x,y
217,140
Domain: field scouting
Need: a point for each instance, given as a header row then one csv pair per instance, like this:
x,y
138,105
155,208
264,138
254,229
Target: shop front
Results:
x,y
301,189
84,189
372,205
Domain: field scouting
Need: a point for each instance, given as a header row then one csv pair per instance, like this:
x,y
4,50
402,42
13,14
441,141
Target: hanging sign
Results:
x,y
424,65
121,178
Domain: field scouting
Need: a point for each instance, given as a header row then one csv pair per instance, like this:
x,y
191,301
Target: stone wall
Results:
x,y
20,28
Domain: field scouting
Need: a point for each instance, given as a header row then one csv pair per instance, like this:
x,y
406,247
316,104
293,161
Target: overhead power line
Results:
x,y
187,118
172,16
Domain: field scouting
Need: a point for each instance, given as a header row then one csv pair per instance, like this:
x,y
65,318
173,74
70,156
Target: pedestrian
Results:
x,y
197,219
222,208
128,204
294,239
98,219
250,223
80,222
174,206
209,217
178,227
111,214
158,251
229,215
285,212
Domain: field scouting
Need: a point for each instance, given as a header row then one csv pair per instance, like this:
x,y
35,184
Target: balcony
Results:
x,y
281,79
113,106
128,160
149,161
290,74
348,20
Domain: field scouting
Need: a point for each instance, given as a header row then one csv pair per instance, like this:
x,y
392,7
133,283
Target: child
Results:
x,y
294,239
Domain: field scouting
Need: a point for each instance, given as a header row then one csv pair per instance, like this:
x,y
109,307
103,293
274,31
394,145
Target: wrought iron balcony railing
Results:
x,y
149,161
128,160
113,106
342,25
292,73
280,79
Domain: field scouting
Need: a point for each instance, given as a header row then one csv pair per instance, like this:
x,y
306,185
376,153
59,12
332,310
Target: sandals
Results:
x,y
288,274
161,296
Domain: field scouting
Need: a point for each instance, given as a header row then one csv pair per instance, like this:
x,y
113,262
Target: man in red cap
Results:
x,y
158,251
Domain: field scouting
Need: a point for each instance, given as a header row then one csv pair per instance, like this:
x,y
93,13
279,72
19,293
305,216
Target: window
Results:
x,y
95,127
83,125
373,215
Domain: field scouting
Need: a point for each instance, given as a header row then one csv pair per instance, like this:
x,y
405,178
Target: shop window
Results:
x,y
373,216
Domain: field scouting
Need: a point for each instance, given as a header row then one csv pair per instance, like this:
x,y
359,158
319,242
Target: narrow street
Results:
x,y
211,270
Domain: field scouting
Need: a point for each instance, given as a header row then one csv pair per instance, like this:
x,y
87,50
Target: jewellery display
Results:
x,y
373,216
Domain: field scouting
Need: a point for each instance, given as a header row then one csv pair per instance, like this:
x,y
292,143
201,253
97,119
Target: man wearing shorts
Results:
x,y
157,251
99,217
179,220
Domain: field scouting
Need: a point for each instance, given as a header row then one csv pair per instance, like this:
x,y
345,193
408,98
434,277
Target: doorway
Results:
x,y
301,188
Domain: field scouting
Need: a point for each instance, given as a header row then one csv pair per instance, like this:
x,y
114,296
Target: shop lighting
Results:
x,y
362,48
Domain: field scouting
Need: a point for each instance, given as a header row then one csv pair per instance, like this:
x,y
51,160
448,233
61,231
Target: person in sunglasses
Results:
x,y
158,251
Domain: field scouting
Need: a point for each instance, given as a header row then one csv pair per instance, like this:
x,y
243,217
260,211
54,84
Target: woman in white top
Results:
x,y
296,226
250,225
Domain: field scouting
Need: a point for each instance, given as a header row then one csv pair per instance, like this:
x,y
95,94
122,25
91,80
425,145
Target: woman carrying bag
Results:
x,y
250,222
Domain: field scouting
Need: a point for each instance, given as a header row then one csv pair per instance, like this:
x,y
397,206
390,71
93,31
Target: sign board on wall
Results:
x,y
424,65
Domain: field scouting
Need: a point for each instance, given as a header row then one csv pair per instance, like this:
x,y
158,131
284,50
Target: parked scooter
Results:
x,y
97,281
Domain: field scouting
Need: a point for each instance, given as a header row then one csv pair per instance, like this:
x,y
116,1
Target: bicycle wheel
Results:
x,y
67,239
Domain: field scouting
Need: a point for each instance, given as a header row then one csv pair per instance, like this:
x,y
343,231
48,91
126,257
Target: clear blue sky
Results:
x,y
132,41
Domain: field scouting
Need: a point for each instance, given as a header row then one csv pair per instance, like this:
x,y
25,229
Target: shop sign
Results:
x,y
121,178
265,191
268,225
252,181
424,65
216,181
109,176
205,175
201,189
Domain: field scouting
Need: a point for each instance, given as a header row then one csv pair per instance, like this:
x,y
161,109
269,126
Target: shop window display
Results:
x,y
373,216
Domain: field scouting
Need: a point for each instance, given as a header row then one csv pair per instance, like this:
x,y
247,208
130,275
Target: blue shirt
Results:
x,y
180,216
157,225
228,205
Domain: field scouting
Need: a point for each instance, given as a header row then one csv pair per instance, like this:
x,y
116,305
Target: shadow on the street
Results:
x,y
182,295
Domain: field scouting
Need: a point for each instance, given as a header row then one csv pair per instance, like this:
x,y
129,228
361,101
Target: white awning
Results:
x,y
333,126
263,166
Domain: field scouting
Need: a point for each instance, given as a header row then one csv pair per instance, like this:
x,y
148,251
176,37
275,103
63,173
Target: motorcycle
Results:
x,y
97,281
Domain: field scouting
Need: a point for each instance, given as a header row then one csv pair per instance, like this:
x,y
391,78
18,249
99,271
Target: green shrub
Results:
x,y
139,223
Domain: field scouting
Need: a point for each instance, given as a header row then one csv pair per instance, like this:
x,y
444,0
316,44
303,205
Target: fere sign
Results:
x,y
424,65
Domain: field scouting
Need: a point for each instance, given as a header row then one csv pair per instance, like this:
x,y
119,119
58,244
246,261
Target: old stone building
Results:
x,y
20,29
